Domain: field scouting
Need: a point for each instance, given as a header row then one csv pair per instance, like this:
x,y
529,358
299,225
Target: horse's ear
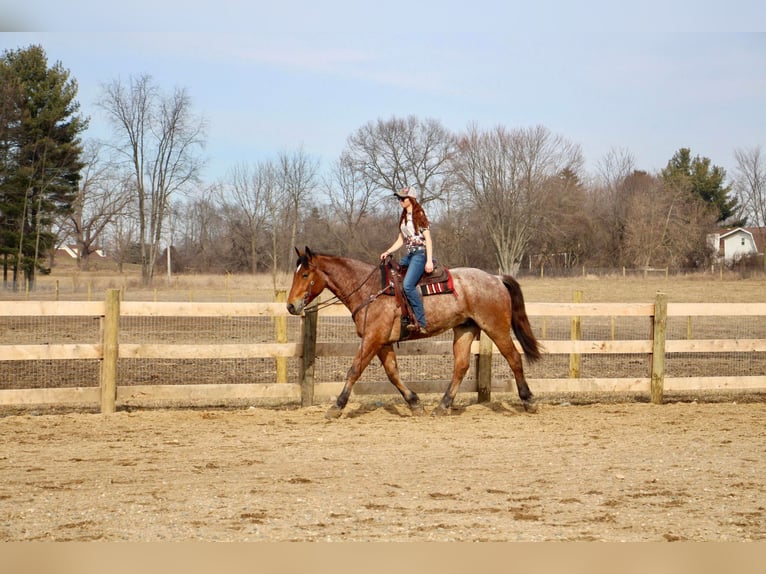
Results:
x,y
298,252
308,252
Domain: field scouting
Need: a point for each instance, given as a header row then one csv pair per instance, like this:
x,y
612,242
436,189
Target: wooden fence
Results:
x,y
109,351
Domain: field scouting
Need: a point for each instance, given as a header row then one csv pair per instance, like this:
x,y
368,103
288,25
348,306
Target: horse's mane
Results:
x,y
347,262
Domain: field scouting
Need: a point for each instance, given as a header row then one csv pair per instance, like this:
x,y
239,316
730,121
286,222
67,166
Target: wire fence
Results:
x,y
202,330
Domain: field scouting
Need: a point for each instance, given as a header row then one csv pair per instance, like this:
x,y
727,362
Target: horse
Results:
x,y
480,302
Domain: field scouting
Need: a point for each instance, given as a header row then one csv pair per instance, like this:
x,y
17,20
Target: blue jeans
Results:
x,y
416,262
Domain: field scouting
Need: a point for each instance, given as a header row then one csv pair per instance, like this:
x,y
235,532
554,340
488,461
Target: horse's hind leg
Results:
x,y
504,344
387,358
461,350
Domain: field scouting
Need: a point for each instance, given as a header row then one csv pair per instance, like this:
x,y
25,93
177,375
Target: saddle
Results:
x,y
438,282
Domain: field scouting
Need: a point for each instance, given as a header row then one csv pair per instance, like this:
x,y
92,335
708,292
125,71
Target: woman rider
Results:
x,y
414,233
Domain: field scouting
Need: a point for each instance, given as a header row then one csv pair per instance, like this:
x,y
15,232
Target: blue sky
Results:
x,y
288,75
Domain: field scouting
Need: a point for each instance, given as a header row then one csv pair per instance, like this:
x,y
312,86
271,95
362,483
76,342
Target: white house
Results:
x,y
72,251
733,244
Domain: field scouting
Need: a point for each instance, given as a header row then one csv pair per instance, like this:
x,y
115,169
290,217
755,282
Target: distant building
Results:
x,y
73,252
731,245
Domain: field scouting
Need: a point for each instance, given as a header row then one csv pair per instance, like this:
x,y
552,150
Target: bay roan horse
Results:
x,y
483,302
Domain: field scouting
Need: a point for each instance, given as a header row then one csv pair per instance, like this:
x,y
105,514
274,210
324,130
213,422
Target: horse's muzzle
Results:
x,y
295,309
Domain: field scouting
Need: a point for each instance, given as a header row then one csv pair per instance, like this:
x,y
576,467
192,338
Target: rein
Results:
x,y
369,300
364,305
338,299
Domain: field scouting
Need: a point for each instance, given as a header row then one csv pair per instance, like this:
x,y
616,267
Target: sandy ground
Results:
x,y
614,472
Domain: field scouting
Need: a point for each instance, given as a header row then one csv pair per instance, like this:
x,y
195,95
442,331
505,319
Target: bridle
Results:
x,y
344,299
337,298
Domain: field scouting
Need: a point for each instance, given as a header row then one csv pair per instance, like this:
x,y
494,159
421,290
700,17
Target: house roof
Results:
x,y
73,250
758,234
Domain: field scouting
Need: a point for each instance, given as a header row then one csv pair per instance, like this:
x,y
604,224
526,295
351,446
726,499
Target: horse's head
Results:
x,y
308,283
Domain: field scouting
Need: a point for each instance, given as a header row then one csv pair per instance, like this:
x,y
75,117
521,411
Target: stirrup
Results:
x,y
413,328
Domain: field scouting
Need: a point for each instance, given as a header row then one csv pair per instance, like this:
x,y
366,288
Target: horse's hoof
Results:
x,y
333,413
530,407
417,410
440,411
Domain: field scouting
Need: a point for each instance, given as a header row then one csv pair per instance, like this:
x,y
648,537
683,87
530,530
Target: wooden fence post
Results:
x,y
575,359
659,333
280,325
110,345
309,337
484,370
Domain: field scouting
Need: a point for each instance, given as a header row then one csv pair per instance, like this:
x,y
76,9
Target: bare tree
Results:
x,y
750,183
277,224
103,196
121,237
297,180
565,229
666,225
201,228
506,175
609,198
351,197
158,137
750,187
403,152
246,195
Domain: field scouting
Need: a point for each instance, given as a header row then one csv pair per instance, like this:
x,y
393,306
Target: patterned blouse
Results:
x,y
412,240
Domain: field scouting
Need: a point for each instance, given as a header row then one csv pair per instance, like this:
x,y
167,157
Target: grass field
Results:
x,y
682,289
68,283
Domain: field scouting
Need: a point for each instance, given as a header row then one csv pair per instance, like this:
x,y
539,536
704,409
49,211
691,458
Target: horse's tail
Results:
x,y
520,321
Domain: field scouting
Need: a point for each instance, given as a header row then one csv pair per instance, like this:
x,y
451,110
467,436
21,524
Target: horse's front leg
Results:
x,y
387,358
363,357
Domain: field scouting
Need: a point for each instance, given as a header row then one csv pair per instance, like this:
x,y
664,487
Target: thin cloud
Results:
x,y
308,60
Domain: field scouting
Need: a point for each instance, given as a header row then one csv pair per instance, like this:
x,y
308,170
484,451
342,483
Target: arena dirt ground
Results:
x,y
685,471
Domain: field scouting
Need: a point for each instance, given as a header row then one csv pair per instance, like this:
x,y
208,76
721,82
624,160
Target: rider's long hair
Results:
x,y
419,217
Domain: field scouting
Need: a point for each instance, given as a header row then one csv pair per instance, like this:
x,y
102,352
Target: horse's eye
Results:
x,y
305,275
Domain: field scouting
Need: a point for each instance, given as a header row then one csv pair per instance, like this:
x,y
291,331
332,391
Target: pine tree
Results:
x,y
41,153
703,180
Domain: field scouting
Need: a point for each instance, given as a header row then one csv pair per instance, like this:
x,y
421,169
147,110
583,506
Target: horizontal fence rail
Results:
x,y
110,350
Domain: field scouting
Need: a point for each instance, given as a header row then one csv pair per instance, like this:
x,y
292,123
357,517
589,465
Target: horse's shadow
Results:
x,y
403,411
505,408
498,407
367,408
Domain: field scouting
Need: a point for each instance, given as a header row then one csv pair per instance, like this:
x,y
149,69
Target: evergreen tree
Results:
x,y
703,180
40,149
